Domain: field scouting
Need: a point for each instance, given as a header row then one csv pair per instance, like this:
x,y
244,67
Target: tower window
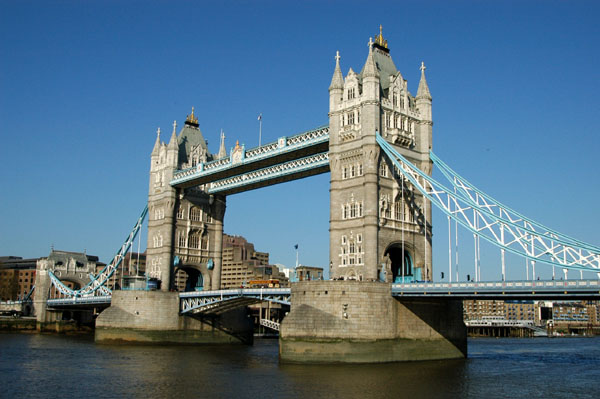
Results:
x,y
195,215
383,170
351,93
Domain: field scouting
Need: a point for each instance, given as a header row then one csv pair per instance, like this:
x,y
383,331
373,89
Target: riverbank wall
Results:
x,y
360,322
152,317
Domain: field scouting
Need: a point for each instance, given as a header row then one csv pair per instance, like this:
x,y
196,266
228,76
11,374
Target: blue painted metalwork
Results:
x,y
98,282
282,146
484,199
271,173
203,301
540,289
80,301
524,241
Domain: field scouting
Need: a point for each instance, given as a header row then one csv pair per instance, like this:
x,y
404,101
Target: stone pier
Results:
x,y
152,317
360,322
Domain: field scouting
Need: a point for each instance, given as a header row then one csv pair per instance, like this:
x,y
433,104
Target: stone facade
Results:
x,y
360,322
153,317
377,221
185,226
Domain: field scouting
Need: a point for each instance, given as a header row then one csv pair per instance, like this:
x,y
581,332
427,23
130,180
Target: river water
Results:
x,y
55,366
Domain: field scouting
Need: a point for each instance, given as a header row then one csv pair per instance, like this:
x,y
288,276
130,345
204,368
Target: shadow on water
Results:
x,y
58,366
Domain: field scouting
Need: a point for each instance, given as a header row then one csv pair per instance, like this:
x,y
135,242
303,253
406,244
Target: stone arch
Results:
x,y
401,261
196,280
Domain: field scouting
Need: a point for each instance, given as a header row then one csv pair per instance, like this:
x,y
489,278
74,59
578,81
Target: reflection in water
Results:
x,y
60,366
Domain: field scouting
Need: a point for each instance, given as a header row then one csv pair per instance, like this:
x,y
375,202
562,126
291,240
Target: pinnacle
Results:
x,y
337,81
423,91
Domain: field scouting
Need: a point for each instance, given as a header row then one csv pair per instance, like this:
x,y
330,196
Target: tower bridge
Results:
x,y
381,304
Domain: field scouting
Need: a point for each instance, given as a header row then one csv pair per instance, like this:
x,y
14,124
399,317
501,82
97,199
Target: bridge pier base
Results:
x,y
360,322
152,317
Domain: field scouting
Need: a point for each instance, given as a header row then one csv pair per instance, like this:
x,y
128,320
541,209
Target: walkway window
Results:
x,y
383,169
194,240
207,215
181,239
196,214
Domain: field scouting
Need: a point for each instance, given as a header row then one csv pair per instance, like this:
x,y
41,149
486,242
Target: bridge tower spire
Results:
x,y
185,225
379,226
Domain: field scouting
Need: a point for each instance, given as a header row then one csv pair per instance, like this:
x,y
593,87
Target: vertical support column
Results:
x,y
371,217
219,206
40,295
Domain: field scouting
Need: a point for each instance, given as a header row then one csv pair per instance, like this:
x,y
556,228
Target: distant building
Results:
x,y
308,273
540,312
475,309
242,264
17,277
133,264
71,268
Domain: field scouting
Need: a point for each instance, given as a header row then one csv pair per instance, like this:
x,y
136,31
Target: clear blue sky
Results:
x,y
84,85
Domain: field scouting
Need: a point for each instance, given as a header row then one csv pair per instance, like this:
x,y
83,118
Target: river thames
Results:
x,y
58,366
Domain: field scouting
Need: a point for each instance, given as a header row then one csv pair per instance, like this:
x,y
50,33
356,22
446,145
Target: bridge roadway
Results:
x,y
219,301
289,158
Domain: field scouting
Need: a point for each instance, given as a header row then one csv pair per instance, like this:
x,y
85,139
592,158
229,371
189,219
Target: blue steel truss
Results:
x,y
509,234
82,302
504,212
535,289
97,284
212,301
308,166
283,150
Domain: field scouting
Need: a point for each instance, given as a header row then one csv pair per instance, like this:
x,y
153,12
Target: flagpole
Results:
x,y
259,129
296,255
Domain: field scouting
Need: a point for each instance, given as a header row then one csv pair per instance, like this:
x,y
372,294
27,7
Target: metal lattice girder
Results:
x,y
296,169
273,325
88,301
97,285
283,150
504,233
211,301
504,212
541,289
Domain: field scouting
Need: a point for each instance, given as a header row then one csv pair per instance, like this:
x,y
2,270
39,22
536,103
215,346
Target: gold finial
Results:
x,y
191,118
237,144
379,40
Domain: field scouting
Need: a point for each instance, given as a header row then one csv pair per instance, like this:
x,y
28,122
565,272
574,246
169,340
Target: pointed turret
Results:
x,y
222,151
336,88
370,68
173,141
423,91
370,77
172,148
423,98
157,143
337,81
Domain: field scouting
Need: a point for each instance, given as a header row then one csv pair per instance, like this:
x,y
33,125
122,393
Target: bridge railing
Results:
x,y
554,289
88,300
284,144
503,232
196,301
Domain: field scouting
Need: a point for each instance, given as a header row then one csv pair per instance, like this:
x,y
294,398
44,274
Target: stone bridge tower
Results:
x,y
185,226
380,228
